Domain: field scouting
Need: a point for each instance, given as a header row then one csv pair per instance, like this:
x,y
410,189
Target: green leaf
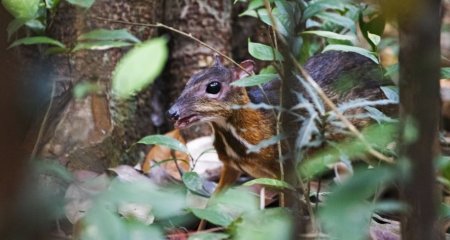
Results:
x,y
332,35
268,70
209,236
378,115
347,213
375,39
100,45
52,4
166,202
391,92
444,210
105,34
254,4
358,50
267,224
228,206
361,102
37,40
270,182
36,25
262,14
389,206
316,7
361,186
56,50
82,89
195,183
238,199
53,169
445,72
392,70
139,67
372,30
338,19
444,166
164,141
263,52
103,225
254,80
14,25
82,3
214,215
140,231
22,9
379,135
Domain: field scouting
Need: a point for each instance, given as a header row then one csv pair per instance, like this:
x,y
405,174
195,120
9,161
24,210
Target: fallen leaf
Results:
x,y
140,212
80,193
163,157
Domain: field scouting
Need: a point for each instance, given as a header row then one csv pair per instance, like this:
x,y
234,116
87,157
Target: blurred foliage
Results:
x,y
139,67
164,141
313,26
348,210
103,221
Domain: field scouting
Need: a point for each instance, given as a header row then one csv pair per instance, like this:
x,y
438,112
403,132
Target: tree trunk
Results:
x,y
419,23
13,163
93,133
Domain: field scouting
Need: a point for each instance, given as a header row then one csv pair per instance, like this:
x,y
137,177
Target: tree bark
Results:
x,y
419,23
93,133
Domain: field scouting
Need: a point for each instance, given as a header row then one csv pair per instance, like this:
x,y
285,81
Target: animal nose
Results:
x,y
173,114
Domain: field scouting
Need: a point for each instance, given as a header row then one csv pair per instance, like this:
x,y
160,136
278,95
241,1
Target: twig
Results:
x,y
188,35
44,122
300,181
262,198
278,116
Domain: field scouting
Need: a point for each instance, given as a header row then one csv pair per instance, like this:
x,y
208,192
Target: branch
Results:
x,y
188,35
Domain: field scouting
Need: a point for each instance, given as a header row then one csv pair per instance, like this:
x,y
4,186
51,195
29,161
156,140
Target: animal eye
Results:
x,y
213,87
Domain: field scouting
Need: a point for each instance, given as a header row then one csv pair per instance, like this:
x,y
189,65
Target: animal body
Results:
x,y
210,97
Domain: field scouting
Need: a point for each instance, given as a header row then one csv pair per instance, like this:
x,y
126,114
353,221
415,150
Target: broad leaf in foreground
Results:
x,y
139,67
165,141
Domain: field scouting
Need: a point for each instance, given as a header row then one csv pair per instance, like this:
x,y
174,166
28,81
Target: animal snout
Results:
x,y
173,113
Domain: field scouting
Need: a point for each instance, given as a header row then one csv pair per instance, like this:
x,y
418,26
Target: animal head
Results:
x,y
208,95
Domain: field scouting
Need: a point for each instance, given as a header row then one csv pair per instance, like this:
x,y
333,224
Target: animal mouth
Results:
x,y
186,121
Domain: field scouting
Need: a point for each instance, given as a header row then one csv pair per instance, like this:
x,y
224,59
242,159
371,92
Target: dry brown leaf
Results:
x,y
127,173
389,230
158,163
158,153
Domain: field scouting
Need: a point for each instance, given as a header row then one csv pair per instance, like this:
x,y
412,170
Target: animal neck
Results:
x,y
246,125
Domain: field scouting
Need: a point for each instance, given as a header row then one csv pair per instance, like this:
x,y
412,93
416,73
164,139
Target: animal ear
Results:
x,y
239,73
217,60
